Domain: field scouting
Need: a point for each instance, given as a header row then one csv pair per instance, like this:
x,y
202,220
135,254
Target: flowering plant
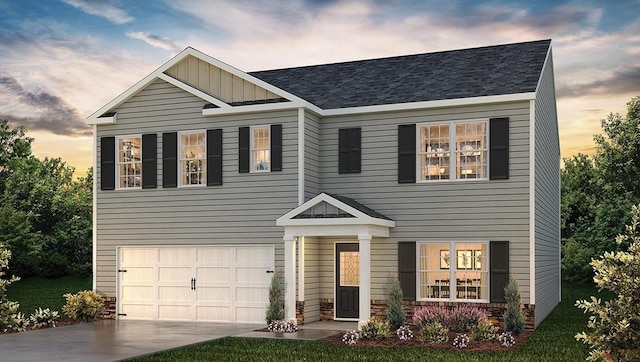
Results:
x,y
506,339
404,333
44,318
461,341
282,326
351,336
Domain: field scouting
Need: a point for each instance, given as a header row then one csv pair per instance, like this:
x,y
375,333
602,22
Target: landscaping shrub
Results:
x,y
462,318
395,314
423,316
404,333
351,336
461,341
375,329
85,305
513,318
8,309
615,325
275,308
434,332
484,331
283,326
506,339
44,318
575,261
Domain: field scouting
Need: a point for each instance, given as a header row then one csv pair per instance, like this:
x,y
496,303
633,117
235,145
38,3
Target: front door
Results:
x,y
347,280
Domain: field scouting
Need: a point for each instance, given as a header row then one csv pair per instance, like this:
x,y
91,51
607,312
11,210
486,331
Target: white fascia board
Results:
x,y
430,104
187,88
336,230
103,120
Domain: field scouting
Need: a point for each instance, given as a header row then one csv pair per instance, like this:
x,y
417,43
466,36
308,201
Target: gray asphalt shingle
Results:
x,y
485,71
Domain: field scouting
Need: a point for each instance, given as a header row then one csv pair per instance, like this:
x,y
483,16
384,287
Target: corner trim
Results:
x,y
301,155
94,206
532,202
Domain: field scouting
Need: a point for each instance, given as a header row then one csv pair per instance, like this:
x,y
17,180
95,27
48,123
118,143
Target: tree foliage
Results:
x,y
45,214
615,325
275,308
597,192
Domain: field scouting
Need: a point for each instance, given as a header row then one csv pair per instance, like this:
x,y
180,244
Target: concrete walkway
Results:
x,y
110,340
309,332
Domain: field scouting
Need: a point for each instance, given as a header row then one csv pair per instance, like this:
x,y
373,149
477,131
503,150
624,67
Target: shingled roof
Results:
x,y
486,71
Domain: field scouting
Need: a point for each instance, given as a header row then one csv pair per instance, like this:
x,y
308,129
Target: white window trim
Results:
x,y
251,149
118,163
180,159
452,272
452,152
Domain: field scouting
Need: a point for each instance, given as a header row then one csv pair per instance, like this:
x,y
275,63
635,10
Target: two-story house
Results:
x,y
440,169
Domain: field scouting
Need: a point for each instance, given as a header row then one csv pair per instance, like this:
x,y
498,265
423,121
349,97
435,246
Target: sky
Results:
x,y
61,60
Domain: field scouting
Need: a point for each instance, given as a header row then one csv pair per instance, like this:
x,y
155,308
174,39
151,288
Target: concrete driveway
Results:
x,y
110,340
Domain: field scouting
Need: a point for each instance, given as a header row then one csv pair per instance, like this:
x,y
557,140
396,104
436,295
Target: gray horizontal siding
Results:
x,y
241,211
547,205
434,211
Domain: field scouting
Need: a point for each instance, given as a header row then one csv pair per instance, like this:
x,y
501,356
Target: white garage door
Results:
x,y
212,283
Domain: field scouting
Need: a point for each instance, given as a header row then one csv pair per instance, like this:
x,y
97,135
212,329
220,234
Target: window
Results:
x,y
453,271
260,149
453,151
193,162
129,162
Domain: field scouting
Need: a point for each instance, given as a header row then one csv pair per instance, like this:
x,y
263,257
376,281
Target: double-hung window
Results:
x,y
260,148
129,162
453,271
193,158
455,150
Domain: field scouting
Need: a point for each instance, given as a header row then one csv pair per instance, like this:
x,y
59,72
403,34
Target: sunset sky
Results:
x,y
61,60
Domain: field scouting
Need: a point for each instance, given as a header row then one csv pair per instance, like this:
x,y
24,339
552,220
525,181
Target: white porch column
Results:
x,y
289,277
365,278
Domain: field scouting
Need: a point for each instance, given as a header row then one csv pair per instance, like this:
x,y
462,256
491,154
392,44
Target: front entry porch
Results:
x,y
351,227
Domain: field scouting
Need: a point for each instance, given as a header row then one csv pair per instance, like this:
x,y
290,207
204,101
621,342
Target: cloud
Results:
x,y
621,82
102,9
46,111
155,41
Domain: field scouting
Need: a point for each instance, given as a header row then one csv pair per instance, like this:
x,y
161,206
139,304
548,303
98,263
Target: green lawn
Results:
x,y
552,341
45,292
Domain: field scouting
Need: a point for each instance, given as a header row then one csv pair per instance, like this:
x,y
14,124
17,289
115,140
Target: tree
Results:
x,y
275,308
395,314
513,317
7,308
14,145
615,325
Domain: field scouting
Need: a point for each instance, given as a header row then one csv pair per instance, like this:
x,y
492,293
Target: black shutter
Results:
x,y
243,150
149,161
499,269
499,148
107,163
407,153
276,147
170,159
214,157
349,150
407,269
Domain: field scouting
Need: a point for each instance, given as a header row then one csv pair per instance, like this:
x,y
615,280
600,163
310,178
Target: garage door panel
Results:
x,y
138,274
251,274
250,294
140,256
213,274
213,294
250,314
216,256
173,274
175,256
138,292
138,310
255,255
214,313
174,312
174,293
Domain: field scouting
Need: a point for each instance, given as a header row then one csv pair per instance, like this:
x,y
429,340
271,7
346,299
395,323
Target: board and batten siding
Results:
x,y
241,211
547,196
434,211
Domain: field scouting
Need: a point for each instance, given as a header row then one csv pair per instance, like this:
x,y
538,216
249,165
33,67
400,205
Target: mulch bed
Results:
x,y
474,346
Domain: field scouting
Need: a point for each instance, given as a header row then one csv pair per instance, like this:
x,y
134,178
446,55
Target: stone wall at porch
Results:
x,y
109,311
495,311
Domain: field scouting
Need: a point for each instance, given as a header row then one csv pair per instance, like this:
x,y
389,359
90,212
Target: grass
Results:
x,y
553,340
46,292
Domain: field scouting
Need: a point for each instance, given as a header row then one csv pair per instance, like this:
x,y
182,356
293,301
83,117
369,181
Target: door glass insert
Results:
x,y
349,268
